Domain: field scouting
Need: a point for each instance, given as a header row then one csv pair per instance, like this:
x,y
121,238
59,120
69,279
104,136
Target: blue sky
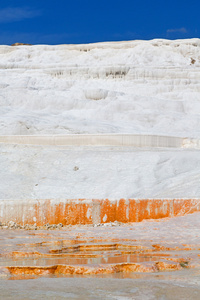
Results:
x,y
86,21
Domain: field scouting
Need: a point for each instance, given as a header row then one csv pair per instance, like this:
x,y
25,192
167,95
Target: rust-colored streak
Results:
x,y
121,211
149,209
108,211
185,206
59,213
76,213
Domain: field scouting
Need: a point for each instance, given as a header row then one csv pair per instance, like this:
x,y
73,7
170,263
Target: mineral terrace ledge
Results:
x,y
120,140
97,140
88,211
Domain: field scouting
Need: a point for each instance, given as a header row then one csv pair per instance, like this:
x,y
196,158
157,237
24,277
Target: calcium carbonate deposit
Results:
x,y
136,87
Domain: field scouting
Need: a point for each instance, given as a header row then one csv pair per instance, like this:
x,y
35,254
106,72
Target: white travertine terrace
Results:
x,y
149,90
136,87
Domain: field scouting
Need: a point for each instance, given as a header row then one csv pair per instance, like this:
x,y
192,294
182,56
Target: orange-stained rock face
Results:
x,y
82,211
